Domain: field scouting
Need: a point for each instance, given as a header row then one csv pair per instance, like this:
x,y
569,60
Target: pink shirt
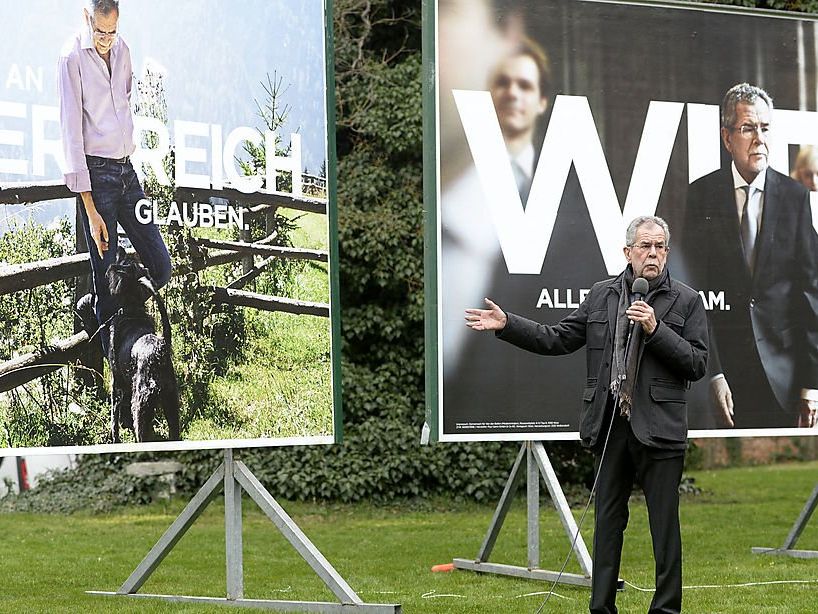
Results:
x,y
95,112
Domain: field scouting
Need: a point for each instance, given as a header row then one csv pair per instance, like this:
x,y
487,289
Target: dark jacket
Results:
x,y
774,310
673,356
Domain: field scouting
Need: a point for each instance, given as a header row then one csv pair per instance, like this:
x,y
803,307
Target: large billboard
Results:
x,y
549,126
168,250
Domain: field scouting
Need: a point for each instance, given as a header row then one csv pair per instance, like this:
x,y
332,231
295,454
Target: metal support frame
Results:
x,y
537,464
801,522
234,476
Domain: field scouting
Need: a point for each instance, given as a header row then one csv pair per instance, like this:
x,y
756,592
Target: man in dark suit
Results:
x,y
634,414
748,232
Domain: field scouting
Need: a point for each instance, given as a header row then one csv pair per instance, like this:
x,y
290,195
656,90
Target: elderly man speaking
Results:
x,y
642,352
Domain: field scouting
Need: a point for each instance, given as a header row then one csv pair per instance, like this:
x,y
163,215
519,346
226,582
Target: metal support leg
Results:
x,y
234,475
232,530
295,536
563,509
798,528
174,533
502,508
537,463
533,499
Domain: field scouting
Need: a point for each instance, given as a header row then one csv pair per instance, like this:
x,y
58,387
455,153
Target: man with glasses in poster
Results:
x,y
748,232
95,83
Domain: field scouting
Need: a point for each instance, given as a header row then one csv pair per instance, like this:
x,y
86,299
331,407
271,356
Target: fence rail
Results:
x,y
293,253
30,366
300,203
16,277
24,193
229,296
33,192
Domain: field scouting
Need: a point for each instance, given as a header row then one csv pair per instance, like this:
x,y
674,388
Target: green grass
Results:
x,y
282,387
312,232
385,553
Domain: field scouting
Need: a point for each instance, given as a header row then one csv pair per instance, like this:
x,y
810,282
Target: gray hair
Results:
x,y
741,92
630,233
103,7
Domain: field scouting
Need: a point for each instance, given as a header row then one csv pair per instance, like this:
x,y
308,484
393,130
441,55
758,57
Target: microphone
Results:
x,y
639,288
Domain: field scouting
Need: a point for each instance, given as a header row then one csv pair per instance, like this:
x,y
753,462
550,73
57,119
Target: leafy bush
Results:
x,y
97,483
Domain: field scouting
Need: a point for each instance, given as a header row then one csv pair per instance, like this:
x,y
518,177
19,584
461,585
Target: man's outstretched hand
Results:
x,y
492,318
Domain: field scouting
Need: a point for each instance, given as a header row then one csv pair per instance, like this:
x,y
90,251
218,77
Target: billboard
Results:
x,y
168,250
549,127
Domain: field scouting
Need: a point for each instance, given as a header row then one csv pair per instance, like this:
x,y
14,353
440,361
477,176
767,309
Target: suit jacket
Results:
x,y
674,355
773,311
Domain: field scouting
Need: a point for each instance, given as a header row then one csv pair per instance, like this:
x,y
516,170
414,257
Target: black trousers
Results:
x,y
659,472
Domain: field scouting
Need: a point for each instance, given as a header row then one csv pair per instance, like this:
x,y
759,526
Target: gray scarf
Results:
x,y
626,366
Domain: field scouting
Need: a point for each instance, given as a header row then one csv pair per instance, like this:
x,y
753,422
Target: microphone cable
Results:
x,y
584,511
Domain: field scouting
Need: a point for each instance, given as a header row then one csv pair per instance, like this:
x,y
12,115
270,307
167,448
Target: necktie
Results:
x,y
748,228
522,181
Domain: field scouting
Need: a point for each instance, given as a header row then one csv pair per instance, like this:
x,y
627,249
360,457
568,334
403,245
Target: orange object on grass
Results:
x,y
443,567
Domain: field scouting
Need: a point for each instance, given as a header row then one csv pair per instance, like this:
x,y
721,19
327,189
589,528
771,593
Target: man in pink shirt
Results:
x,y
95,83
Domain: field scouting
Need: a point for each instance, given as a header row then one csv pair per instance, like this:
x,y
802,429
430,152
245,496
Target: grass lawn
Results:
x,y
385,553
283,385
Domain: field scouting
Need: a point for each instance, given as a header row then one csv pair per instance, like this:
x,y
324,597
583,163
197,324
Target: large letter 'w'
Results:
x,y
572,137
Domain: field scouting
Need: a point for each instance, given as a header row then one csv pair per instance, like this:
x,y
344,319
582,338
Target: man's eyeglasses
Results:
x,y
102,34
645,246
749,130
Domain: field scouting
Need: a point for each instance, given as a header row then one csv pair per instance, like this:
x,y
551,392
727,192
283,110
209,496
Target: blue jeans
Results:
x,y
116,190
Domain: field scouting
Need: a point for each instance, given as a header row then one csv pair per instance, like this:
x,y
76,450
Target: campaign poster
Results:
x,y
550,125
168,271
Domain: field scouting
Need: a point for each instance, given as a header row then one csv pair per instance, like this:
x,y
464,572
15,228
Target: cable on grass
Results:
x,y
738,585
538,593
435,595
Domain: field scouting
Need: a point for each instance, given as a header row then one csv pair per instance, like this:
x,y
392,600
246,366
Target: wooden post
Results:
x,y
245,236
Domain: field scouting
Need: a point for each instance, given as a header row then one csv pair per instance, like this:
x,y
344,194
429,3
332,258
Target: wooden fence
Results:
x,y
15,278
